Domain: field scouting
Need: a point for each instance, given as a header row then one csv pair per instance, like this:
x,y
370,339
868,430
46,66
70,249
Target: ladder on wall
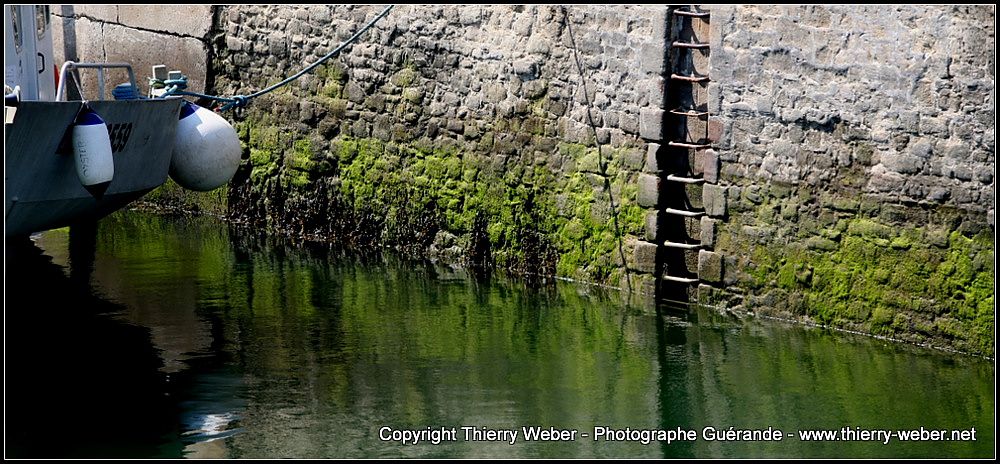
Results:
x,y
687,99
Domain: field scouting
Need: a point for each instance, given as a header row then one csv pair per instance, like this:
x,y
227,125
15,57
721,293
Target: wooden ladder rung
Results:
x,y
699,45
689,145
686,246
684,280
686,180
692,14
685,213
691,113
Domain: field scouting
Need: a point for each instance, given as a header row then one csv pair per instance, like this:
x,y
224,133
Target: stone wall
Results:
x,y
858,151
462,131
850,179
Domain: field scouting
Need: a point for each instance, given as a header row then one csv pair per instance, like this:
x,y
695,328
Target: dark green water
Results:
x,y
169,337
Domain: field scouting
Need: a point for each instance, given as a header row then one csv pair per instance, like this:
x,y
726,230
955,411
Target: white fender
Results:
x,y
206,150
92,152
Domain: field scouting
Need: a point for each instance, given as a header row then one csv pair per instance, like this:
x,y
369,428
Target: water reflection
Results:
x,y
77,382
236,345
87,378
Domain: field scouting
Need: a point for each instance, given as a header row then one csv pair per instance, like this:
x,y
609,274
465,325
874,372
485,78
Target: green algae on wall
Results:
x,y
899,282
523,216
174,197
836,256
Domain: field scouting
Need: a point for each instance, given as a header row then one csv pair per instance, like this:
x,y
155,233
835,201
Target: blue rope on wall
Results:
x,y
178,86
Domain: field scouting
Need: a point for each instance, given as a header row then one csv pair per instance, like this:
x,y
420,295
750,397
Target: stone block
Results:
x,y
644,287
653,58
708,232
715,128
921,149
628,123
652,165
653,90
714,199
710,165
820,244
658,20
654,226
714,92
708,295
709,266
984,176
651,124
901,162
649,191
730,271
645,257
634,160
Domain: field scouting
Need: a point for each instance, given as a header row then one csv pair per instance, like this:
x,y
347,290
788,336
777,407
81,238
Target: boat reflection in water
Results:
x,y
85,379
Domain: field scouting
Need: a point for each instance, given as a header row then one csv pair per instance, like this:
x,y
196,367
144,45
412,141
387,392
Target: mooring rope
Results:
x,y
178,86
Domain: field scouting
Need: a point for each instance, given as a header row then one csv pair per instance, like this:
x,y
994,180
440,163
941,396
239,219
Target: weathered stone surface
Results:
x,y
634,159
708,232
654,226
651,124
902,163
527,69
111,42
652,58
445,247
710,165
714,199
820,243
718,298
106,13
709,266
715,128
652,165
645,257
466,97
811,138
646,286
898,118
649,191
189,20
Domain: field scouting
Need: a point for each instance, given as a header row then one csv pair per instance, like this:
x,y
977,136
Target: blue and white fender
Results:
x,y
206,151
92,152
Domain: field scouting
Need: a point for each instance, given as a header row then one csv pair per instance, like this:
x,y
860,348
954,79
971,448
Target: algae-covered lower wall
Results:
x,y
529,214
911,273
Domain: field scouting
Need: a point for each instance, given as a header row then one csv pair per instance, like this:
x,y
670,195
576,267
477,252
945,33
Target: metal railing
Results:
x,y
69,66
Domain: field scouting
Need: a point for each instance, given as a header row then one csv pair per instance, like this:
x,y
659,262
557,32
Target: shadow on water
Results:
x,y
670,343
78,383
83,382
